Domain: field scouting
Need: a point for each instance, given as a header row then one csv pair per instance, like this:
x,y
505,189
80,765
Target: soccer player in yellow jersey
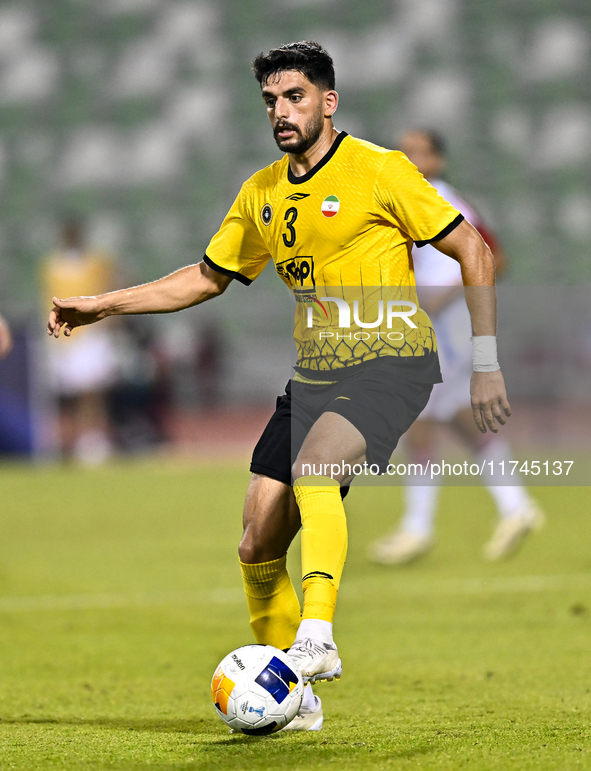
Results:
x,y
339,217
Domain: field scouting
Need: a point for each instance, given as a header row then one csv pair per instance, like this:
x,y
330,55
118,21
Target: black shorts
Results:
x,y
381,402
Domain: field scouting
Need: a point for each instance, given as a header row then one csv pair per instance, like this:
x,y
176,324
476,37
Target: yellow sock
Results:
x,y
272,602
324,543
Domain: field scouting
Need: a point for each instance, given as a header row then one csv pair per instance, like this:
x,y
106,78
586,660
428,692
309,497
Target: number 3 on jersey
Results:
x,y
290,217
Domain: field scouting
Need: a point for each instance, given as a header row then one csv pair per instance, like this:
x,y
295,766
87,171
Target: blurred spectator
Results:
x,y
209,365
5,338
138,402
83,367
443,299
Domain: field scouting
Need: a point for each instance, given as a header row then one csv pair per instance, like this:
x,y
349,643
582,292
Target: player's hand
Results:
x,y
5,339
489,400
73,312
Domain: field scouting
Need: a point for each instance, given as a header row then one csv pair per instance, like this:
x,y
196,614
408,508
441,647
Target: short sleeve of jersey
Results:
x,y
237,249
405,198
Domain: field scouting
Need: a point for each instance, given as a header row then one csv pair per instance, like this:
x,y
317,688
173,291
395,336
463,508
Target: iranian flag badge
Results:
x,y
330,206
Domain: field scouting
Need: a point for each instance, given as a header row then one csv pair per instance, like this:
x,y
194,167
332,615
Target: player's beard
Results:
x,y
304,139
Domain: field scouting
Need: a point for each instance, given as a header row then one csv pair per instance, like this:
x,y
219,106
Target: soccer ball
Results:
x,y
257,690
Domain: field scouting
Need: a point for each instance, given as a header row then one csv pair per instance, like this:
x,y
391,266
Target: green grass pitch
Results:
x,y
120,592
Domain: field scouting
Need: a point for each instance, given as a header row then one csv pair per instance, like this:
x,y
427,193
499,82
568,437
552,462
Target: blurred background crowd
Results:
x,y
127,128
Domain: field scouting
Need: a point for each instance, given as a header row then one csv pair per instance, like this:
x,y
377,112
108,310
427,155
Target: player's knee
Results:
x,y
310,465
247,552
251,550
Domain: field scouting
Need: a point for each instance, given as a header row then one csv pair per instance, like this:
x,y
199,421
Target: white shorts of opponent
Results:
x,y
453,331
85,362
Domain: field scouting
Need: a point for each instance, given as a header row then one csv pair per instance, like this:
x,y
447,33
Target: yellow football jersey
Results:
x,y
341,238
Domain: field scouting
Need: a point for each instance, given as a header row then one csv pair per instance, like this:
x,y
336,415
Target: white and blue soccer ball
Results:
x,y
257,690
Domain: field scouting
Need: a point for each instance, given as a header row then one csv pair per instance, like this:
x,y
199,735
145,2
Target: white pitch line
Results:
x,y
358,590
503,584
470,586
98,601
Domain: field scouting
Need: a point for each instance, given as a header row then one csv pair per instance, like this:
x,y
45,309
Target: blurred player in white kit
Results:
x,y
443,299
83,372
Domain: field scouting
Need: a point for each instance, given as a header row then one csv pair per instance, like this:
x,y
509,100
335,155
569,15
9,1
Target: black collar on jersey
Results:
x,y
322,162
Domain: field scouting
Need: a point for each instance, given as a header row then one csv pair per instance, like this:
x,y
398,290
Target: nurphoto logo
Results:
x,y
345,313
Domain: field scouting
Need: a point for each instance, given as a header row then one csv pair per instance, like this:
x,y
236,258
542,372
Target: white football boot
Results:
x,y
511,531
316,660
307,719
399,548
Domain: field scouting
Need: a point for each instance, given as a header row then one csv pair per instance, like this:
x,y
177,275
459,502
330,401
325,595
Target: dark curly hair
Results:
x,y
307,57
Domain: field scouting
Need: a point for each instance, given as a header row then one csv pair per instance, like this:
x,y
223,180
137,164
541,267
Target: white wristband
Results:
x,y
484,353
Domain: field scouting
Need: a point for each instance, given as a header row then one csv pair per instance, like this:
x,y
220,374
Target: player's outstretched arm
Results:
x,y
487,387
182,289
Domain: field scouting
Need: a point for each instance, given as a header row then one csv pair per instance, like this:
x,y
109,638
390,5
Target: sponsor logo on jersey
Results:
x,y
296,270
307,296
267,214
278,679
330,206
297,196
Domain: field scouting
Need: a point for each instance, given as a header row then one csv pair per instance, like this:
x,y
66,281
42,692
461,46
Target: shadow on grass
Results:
x,y
204,727
198,726
324,746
